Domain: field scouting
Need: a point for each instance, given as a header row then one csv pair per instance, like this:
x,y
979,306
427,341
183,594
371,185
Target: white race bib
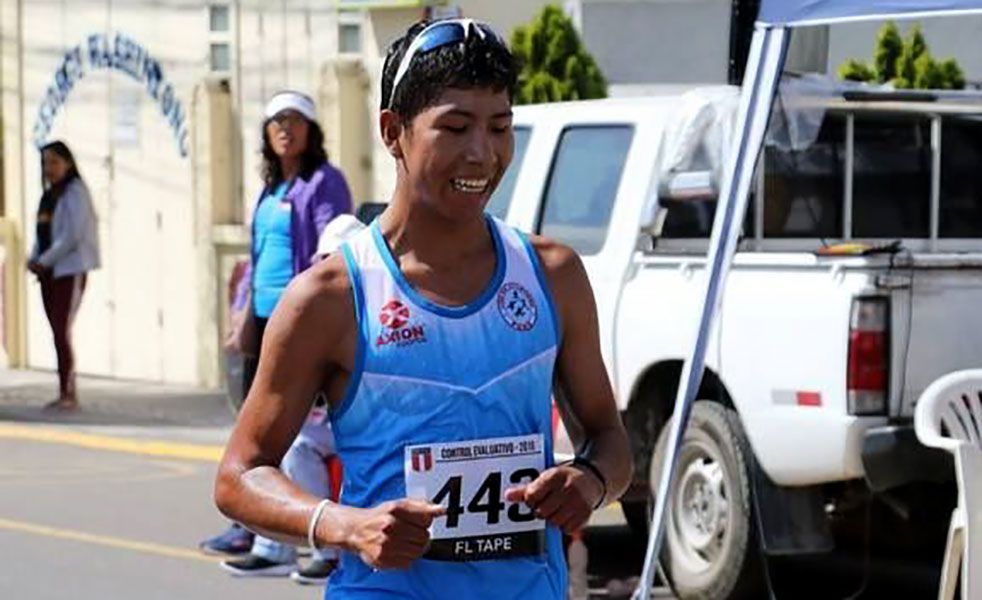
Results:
x,y
470,479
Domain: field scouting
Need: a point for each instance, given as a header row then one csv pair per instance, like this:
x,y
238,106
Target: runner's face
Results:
x,y
457,149
54,167
287,134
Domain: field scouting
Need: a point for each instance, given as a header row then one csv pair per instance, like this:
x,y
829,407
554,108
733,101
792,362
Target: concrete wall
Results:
x,y
11,306
11,179
138,318
173,202
282,45
347,119
658,41
216,205
150,311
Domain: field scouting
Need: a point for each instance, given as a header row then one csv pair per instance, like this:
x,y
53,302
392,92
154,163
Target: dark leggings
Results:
x,y
251,363
61,297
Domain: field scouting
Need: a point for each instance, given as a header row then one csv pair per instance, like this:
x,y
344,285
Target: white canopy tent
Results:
x,y
765,63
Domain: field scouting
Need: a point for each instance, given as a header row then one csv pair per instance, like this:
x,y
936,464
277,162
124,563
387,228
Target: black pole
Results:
x,y
743,14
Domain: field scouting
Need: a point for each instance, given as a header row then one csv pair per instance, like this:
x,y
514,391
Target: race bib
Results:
x,y
469,478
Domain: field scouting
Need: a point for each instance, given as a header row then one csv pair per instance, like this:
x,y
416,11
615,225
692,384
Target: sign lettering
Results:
x,y
121,53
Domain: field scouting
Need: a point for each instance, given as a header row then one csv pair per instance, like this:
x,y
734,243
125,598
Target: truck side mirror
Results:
x,y
695,186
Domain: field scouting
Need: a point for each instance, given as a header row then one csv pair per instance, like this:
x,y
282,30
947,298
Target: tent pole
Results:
x,y
765,62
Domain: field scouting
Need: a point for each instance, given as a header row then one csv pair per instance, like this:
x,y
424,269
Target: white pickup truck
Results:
x,y
820,351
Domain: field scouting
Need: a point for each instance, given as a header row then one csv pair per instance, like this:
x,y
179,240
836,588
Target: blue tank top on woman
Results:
x,y
272,251
453,405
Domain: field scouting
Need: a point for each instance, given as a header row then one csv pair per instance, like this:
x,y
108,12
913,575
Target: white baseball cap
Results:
x,y
291,100
336,232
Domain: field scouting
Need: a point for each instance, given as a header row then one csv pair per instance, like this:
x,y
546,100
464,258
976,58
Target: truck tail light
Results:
x,y
868,370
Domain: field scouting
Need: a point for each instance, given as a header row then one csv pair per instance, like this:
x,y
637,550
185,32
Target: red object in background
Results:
x,y
809,398
336,473
868,361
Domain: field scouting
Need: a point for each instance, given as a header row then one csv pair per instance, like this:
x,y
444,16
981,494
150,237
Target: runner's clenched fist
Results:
x,y
393,534
564,496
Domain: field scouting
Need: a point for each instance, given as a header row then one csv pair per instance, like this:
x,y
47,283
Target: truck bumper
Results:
x,y
893,457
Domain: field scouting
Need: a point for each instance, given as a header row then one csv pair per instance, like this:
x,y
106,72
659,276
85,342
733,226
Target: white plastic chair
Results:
x,y
949,416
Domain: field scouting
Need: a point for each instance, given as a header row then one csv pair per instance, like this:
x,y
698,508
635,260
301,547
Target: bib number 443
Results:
x,y
469,478
487,499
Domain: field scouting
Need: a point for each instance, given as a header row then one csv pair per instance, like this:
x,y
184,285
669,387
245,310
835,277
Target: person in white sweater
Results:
x,y
66,248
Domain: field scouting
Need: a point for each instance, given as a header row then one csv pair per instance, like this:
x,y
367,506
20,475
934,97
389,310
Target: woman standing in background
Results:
x,y
302,193
66,248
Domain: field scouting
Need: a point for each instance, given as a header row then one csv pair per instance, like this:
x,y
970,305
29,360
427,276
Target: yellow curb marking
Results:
x,y
100,442
102,540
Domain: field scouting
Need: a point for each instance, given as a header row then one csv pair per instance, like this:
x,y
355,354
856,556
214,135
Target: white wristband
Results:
x,y
312,526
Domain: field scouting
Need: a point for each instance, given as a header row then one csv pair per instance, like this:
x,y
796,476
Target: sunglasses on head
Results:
x,y
437,35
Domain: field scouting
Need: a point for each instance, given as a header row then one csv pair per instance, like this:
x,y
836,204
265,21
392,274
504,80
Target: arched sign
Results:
x,y
120,53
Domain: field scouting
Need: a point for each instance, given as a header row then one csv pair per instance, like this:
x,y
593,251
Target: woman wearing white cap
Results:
x,y
302,193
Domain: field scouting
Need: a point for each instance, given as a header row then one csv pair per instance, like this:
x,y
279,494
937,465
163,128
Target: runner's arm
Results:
x,y
250,487
582,385
305,339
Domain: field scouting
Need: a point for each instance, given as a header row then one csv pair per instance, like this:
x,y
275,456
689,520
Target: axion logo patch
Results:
x,y
397,329
394,314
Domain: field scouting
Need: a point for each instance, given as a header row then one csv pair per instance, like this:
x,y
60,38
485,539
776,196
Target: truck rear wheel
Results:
x,y
710,548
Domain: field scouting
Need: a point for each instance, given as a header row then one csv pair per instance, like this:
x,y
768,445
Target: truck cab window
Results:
x,y
961,186
501,198
891,177
803,187
582,186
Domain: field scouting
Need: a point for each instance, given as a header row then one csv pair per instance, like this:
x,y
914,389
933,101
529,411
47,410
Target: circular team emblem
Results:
x,y
394,314
517,307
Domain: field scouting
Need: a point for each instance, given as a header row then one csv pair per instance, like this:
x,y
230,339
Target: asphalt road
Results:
x,y
94,524
97,523
89,509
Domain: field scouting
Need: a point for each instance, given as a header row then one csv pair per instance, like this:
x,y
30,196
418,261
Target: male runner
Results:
x,y
439,335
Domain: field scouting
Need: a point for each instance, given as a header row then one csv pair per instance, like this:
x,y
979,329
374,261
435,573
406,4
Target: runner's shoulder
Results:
x,y
321,293
568,282
559,261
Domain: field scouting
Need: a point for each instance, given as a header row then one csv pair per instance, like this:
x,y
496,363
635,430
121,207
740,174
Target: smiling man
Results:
x,y
439,335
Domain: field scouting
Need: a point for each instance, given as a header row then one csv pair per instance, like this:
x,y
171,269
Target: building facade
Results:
x,y
161,103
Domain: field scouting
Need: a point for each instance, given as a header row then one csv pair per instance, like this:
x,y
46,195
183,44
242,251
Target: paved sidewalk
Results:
x,y
128,408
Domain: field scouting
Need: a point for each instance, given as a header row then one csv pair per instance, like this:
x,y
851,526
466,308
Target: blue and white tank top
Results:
x,y
452,404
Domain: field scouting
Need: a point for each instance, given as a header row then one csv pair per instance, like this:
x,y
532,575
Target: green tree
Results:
x,y
885,53
855,70
927,73
952,74
906,63
914,48
554,64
